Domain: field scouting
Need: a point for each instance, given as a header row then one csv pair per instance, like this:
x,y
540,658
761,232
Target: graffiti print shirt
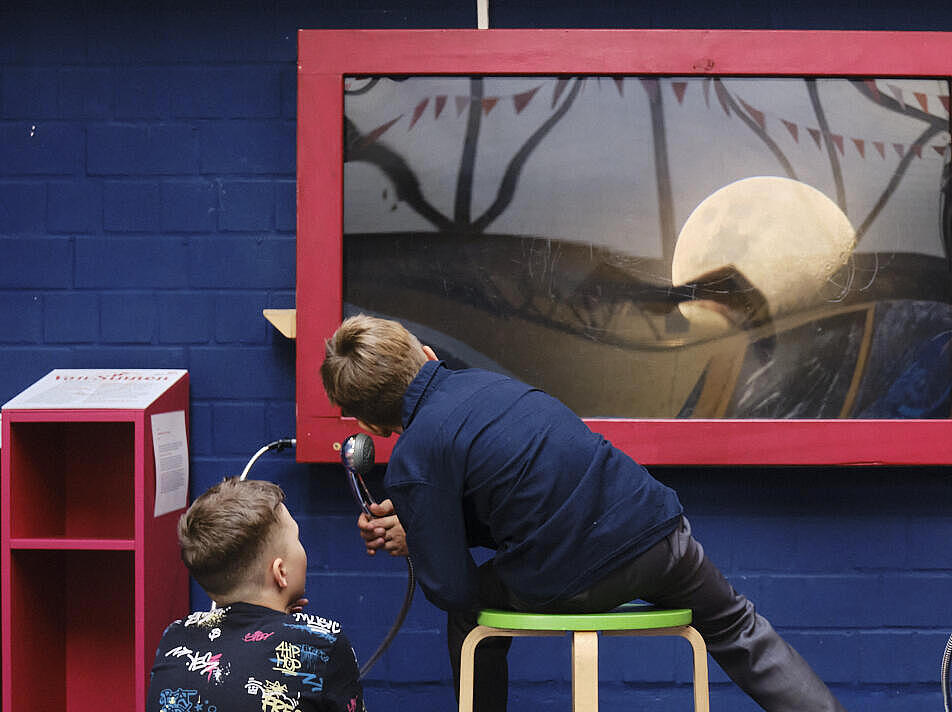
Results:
x,y
245,657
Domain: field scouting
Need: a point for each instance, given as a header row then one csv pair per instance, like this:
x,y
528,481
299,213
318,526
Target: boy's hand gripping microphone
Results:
x,y
357,457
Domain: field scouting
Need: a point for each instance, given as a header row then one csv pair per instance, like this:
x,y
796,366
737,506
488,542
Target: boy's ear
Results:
x,y
279,573
430,355
374,429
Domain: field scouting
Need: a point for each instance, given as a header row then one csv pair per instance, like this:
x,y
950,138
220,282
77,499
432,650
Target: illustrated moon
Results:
x,y
786,237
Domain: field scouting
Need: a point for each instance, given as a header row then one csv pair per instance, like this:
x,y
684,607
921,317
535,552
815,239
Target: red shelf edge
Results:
x,y
70,544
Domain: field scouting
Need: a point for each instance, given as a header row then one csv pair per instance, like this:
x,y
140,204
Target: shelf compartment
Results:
x,y
72,480
56,544
79,626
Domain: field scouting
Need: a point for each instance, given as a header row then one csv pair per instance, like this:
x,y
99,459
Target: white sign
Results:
x,y
170,445
63,388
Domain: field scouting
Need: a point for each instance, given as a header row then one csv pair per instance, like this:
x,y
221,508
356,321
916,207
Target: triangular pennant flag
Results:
x,y
418,112
651,86
560,85
521,101
438,106
707,92
722,96
945,102
939,149
871,83
378,132
917,149
679,88
619,85
897,92
489,103
757,116
793,129
881,147
860,146
900,149
923,100
815,133
462,103
838,140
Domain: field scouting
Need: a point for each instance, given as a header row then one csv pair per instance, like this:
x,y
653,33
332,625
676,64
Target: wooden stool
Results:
x,y
628,620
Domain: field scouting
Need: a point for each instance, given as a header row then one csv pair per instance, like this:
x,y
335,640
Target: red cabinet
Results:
x,y
90,576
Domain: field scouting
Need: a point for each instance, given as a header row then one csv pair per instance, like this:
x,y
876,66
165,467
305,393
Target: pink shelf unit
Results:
x,y
90,577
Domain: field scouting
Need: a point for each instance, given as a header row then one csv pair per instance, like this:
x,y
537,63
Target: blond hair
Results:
x,y
368,365
225,531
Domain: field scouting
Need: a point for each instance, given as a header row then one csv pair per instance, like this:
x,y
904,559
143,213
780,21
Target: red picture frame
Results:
x,y
327,56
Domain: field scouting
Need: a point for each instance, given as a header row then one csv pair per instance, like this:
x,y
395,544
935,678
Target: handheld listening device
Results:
x,y
357,457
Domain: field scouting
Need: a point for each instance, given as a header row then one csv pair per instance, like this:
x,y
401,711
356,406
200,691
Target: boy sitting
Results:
x,y
255,650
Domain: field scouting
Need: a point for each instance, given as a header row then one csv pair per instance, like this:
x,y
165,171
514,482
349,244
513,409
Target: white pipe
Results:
x,y
482,14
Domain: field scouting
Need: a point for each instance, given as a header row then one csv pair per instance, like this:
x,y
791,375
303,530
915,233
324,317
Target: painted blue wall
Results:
x,y
147,216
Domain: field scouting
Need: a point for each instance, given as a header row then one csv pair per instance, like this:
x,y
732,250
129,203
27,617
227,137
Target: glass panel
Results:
x,y
648,247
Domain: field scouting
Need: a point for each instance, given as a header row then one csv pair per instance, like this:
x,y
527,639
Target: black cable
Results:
x,y
285,443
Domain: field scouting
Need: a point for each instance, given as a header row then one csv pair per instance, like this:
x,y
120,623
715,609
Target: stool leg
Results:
x,y
585,671
701,697
467,663
701,694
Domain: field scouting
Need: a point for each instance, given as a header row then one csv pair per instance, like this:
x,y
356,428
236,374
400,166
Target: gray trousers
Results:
x,y
674,573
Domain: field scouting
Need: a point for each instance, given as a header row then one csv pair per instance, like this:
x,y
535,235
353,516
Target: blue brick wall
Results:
x,y
147,216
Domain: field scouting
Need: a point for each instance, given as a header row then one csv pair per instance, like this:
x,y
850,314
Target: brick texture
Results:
x,y
147,216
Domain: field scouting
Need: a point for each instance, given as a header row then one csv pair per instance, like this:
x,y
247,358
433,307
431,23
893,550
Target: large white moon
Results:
x,y
785,236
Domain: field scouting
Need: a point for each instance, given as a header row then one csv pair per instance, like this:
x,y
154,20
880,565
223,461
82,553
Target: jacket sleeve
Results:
x,y
436,538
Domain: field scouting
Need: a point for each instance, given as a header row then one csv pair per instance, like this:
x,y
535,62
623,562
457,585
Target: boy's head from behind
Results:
x,y
240,543
368,365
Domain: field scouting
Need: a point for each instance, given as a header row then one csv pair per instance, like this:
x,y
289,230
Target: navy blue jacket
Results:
x,y
486,460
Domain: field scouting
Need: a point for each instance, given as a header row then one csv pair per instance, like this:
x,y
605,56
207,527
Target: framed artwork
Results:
x,y
717,247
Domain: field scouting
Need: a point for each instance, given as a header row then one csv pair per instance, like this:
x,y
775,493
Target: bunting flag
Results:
x,y
679,89
653,86
897,92
761,118
378,132
756,115
521,101
794,130
418,112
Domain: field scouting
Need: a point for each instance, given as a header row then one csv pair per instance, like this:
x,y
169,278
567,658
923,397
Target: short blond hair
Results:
x,y
225,531
368,365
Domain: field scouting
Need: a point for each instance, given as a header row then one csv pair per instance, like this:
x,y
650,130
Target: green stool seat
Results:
x,y
631,616
632,619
